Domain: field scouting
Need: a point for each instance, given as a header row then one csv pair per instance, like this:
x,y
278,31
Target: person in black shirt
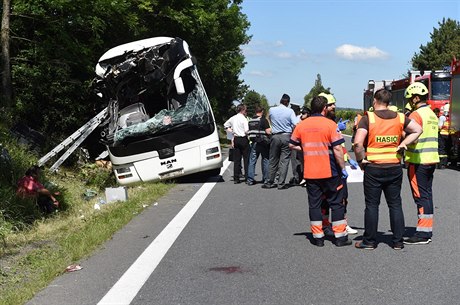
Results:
x,y
259,131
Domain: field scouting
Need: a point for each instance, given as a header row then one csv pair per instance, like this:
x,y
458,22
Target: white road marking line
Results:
x,y
127,287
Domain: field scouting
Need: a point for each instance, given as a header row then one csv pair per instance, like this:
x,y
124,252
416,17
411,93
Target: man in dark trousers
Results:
x,y
283,120
380,132
324,170
238,126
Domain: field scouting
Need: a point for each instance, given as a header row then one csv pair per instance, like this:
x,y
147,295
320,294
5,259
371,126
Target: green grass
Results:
x,y
33,257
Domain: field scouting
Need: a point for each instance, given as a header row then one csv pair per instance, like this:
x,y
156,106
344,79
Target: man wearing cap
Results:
x,y
282,120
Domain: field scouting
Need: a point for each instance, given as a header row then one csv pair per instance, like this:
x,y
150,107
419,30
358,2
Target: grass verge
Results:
x,y
34,257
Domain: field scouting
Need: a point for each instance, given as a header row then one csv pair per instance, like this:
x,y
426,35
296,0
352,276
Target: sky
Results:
x,y
347,42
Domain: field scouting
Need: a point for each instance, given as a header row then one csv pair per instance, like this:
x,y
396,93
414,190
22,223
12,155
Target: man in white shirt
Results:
x,y
238,125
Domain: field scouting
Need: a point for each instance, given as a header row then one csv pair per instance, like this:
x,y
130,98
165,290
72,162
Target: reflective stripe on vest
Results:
x,y
384,137
445,128
255,133
425,150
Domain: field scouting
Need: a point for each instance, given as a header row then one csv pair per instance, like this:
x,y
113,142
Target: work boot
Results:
x,y
319,242
341,242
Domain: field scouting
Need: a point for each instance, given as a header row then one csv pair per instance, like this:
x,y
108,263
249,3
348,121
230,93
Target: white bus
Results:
x,y
160,123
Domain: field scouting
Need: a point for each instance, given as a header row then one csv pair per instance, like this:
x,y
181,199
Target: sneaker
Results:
x,y
328,231
268,186
362,245
343,242
319,242
283,187
398,246
303,182
351,231
250,182
415,240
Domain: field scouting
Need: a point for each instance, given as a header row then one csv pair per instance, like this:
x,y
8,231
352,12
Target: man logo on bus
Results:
x,y
168,163
386,139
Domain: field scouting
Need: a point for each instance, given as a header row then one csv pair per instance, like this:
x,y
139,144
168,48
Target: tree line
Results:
x,y
50,49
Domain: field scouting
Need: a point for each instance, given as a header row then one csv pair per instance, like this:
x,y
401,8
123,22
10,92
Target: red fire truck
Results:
x,y
438,84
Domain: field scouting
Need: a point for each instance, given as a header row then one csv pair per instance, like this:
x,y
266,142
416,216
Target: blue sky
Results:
x,y
346,42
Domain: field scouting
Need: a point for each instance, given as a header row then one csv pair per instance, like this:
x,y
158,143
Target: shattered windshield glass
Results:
x,y
195,111
140,88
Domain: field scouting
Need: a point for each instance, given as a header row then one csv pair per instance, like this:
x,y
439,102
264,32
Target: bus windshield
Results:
x,y
139,84
440,89
192,109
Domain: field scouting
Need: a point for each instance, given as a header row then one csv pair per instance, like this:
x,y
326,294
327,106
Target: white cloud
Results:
x,y
352,52
261,73
283,55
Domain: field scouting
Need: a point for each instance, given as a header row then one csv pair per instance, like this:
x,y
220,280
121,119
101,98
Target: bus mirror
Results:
x,y
179,85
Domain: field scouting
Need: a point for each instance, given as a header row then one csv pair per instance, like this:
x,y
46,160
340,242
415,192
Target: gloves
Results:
x,y
353,163
344,174
342,125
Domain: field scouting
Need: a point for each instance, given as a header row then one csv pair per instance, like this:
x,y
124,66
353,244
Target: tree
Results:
x,y
56,45
317,89
444,44
6,89
252,99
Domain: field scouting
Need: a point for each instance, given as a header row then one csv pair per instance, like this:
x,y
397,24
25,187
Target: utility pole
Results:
x,y
6,97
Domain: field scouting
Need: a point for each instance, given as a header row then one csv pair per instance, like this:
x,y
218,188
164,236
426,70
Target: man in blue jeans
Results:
x,y
259,131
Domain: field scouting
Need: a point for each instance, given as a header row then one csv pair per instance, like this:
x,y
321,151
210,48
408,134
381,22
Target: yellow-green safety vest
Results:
x,y
425,150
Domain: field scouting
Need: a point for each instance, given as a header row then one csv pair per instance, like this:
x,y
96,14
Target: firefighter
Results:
x,y
324,170
422,158
381,132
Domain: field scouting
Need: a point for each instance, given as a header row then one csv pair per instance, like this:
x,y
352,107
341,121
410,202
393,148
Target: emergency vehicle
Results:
x,y
397,88
438,84
372,87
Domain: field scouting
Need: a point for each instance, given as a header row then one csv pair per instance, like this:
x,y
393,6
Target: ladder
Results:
x,y
76,138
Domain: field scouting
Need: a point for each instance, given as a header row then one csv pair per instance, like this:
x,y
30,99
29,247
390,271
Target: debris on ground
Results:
x,y
73,268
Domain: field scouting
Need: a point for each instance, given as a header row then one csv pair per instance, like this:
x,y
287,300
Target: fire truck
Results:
x,y
397,89
372,87
438,84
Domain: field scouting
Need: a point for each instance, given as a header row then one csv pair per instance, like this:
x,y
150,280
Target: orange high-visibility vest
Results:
x,y
383,138
316,134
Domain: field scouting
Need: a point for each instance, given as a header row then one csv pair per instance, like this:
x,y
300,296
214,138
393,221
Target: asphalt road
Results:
x,y
247,245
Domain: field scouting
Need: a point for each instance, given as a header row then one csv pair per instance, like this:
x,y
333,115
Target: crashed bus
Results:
x,y
159,122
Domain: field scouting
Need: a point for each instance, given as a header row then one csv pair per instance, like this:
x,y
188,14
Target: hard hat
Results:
x,y
393,108
416,88
330,98
408,106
